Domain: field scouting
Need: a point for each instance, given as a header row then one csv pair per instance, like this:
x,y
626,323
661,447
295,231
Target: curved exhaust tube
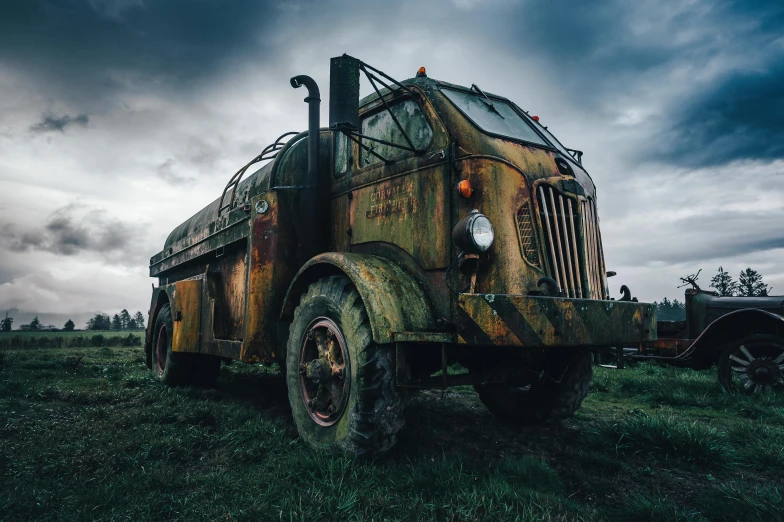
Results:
x,y
311,227
314,105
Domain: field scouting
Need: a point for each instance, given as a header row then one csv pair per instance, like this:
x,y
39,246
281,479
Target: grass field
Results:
x,y
88,434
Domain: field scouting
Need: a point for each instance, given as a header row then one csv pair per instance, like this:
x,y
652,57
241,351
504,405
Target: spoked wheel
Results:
x,y
753,365
323,369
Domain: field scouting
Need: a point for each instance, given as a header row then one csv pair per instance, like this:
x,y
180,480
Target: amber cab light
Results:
x,y
421,72
464,188
535,118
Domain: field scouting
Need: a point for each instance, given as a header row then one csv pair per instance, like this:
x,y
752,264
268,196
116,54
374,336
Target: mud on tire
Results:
x,y
550,399
366,422
175,368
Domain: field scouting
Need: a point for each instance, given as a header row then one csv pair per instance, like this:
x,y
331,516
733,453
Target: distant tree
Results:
x,y
750,284
69,326
116,322
35,324
5,324
724,284
99,322
125,319
668,310
139,318
132,324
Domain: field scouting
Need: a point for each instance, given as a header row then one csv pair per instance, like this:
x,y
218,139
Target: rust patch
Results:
x,y
187,307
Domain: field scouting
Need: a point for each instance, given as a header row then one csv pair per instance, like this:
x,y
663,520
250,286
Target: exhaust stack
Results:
x,y
314,104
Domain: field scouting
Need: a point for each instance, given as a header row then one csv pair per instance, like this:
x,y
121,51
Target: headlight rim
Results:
x,y
463,233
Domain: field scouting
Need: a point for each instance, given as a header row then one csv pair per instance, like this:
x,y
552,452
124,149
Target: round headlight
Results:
x,y
473,233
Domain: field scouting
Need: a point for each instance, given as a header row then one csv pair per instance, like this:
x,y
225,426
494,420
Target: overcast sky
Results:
x,y
121,118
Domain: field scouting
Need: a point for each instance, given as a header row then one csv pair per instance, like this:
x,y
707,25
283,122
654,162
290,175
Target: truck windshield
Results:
x,y
496,117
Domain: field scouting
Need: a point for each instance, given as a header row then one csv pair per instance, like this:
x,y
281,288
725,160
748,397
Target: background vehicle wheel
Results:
x,y
753,364
547,389
341,384
179,368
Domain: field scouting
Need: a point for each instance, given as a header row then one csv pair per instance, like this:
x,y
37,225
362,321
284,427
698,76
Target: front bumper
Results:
x,y
521,320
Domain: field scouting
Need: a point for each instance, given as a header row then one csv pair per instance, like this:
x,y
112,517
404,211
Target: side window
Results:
x,y
342,153
381,126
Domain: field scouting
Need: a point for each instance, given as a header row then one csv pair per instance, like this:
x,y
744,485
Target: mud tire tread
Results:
x,y
377,415
552,402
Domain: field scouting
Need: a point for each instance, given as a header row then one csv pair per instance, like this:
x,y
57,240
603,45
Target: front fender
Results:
x,y
732,326
394,300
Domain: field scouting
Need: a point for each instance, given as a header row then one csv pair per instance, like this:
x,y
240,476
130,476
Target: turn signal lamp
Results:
x,y
421,73
464,189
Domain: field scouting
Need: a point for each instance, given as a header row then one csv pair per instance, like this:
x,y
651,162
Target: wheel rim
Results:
x,y
161,349
756,367
323,371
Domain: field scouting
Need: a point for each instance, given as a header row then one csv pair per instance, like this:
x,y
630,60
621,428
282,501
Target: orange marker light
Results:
x,y
535,118
464,189
421,72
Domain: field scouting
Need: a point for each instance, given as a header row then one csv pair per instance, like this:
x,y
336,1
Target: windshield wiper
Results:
x,y
486,100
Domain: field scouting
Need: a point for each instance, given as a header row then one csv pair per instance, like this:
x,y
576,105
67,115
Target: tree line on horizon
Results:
x,y
121,321
749,284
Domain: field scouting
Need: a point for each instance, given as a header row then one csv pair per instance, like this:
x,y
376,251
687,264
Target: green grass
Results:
x,y
88,434
97,338
75,333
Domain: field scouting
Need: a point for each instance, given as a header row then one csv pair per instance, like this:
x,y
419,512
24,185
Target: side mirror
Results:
x,y
344,93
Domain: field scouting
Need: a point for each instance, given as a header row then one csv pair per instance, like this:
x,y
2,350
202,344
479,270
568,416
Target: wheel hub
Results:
x,y
323,365
764,372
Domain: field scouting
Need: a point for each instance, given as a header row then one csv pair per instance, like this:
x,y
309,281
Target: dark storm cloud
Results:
x,y
741,118
50,123
70,231
613,49
87,48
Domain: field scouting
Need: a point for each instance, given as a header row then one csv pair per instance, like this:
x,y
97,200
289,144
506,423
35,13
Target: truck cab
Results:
x,y
429,224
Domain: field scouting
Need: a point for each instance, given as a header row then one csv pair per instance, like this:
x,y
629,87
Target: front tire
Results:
x,y
545,389
341,384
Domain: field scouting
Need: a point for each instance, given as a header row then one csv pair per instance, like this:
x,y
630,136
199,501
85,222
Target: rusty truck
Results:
x,y
429,224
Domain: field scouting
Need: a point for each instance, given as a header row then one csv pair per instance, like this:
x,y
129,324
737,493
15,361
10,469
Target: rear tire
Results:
x,y
539,396
175,368
341,384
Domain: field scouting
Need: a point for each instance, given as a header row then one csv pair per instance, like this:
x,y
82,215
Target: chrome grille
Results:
x,y
525,228
578,269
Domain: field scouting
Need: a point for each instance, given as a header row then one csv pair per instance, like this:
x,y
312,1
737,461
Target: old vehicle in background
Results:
x,y
743,336
428,224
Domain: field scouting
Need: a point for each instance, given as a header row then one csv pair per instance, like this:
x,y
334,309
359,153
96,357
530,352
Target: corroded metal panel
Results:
x,y
186,315
410,212
268,277
519,320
